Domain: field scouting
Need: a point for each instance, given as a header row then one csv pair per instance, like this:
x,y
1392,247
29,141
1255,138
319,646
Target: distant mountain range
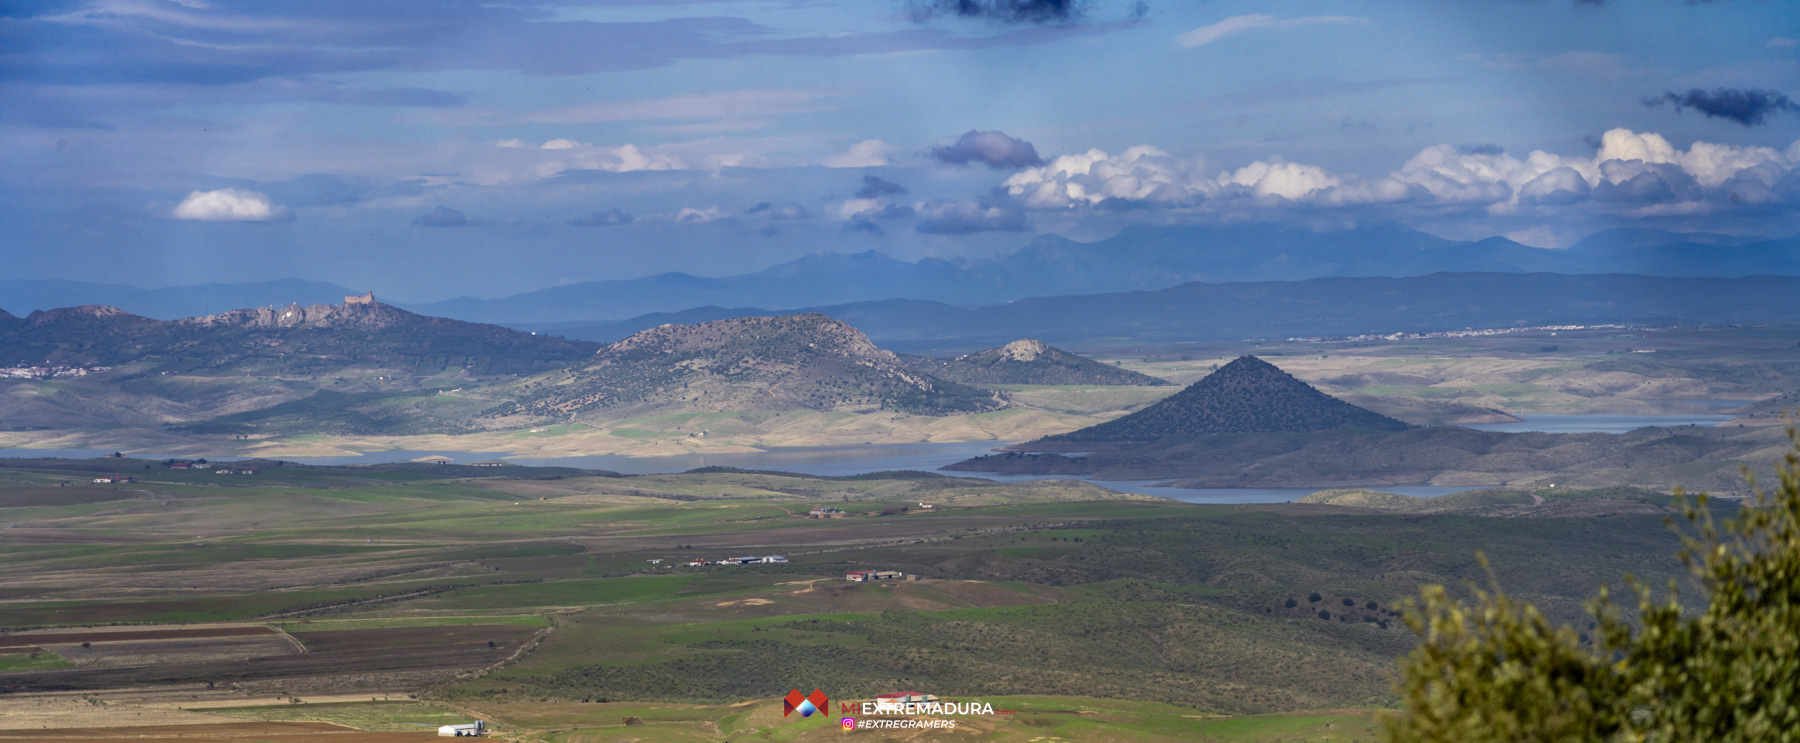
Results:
x,y
1137,259
308,340
1284,309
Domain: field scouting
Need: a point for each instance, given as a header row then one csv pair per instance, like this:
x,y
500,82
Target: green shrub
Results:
x,y
1497,670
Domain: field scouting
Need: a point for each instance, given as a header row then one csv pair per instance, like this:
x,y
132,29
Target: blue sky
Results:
x,y
427,150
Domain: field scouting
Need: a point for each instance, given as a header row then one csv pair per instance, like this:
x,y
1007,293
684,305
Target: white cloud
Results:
x,y
1292,181
560,144
231,205
1141,173
869,153
510,144
1630,173
1240,23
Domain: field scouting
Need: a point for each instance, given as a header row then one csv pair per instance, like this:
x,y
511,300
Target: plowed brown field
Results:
x,y
71,638
227,732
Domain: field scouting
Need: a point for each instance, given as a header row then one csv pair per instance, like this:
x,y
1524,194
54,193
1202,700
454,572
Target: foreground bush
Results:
x,y
1497,670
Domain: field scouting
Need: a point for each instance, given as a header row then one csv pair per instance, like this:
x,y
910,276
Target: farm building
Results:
x,y
466,730
114,479
774,560
863,575
826,513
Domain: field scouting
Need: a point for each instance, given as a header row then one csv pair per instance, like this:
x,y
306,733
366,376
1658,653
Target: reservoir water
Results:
x,y
857,460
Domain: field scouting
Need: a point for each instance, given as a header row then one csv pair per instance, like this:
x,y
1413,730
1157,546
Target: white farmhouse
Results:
x,y
467,730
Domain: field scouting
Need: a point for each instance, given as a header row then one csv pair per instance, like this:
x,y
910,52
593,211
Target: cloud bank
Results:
x,y
1631,173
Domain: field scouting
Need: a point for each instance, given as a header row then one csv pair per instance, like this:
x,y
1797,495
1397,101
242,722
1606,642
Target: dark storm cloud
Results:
x,y
608,218
994,149
1747,107
443,216
944,217
874,187
1481,149
1004,11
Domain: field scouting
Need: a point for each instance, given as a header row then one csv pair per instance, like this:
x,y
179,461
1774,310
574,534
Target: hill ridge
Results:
x,y
788,362
311,339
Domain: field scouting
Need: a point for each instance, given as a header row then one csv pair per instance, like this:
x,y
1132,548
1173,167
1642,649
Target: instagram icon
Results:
x,y
849,723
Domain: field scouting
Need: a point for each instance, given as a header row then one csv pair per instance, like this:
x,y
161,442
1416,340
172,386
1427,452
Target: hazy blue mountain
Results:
x,y
22,296
1281,309
815,279
1139,258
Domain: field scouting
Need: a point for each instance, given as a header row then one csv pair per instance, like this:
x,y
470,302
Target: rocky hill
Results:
x,y
794,362
288,340
1248,395
1028,361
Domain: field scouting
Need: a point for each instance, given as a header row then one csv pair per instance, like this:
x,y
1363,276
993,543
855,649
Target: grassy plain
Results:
x,y
550,601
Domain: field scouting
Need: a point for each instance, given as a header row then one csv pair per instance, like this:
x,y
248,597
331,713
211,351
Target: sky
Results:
x,y
433,149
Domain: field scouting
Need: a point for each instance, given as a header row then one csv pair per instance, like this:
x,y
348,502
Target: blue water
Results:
x,y
855,460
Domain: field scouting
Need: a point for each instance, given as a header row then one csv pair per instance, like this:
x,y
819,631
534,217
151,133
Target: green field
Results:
x,y
1092,615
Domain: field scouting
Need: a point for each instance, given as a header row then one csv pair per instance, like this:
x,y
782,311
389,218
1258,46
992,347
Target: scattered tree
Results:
x,y
1292,603
1313,597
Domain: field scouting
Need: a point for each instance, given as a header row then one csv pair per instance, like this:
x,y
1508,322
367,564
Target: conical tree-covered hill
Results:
x,y
1029,361
1248,395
